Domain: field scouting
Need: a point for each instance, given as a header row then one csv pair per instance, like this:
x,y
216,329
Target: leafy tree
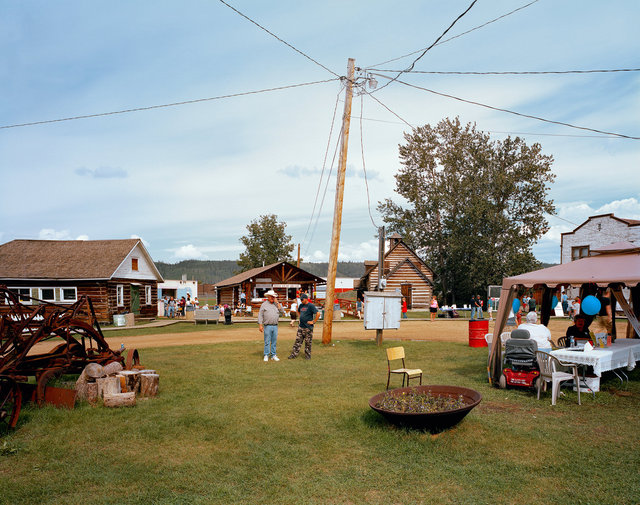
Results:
x,y
474,207
266,243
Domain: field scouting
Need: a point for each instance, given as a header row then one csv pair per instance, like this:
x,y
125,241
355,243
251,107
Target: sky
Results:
x,y
188,179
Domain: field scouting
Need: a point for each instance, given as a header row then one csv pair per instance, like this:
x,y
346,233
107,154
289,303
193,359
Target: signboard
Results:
x,y
382,311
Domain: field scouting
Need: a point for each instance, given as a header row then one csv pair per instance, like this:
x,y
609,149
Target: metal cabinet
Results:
x,y
382,311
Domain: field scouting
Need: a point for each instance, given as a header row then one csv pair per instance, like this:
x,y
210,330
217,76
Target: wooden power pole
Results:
x,y
337,211
380,286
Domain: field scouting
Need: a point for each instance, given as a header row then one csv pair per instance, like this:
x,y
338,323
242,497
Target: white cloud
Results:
x,y
350,252
51,234
103,172
189,252
82,237
146,243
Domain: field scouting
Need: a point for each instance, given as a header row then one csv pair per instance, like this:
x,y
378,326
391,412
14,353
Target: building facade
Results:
x,y
595,232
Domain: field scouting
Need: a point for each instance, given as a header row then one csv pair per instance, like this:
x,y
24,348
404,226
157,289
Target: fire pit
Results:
x,y
432,421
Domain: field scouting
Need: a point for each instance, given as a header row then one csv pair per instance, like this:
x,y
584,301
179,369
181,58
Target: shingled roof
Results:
x,y
65,259
254,272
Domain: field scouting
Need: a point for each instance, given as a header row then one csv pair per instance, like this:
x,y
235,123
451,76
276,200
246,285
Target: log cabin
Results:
x,y
118,275
404,271
283,277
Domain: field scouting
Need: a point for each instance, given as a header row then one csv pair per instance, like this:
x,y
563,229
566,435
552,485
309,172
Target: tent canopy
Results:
x,y
615,264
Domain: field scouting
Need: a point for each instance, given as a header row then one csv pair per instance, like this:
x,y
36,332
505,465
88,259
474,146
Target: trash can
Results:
x,y
477,330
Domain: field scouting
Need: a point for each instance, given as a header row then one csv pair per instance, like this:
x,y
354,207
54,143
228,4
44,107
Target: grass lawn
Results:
x,y
228,428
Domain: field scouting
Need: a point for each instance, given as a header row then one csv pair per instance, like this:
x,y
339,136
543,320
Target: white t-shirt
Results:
x,y
538,332
294,307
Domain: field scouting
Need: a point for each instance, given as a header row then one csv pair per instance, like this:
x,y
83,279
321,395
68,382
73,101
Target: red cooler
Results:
x,y
477,330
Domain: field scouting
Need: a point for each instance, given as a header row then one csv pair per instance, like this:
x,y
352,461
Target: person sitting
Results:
x,y
578,331
539,332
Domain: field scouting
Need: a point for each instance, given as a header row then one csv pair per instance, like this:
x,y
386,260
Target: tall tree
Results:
x,y
474,207
265,243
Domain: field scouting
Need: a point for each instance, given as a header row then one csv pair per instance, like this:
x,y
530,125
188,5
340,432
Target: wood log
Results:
x,y
120,399
94,370
132,379
112,368
149,383
147,370
108,385
92,392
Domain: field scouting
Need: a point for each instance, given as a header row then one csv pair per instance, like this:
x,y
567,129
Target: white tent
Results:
x,y
616,266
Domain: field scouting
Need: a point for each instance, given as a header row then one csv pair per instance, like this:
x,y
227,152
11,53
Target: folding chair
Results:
x,y
397,354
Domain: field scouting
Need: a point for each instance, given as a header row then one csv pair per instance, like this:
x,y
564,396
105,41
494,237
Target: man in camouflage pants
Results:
x,y
308,317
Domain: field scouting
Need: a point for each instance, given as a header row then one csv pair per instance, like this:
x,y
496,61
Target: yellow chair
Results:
x,y
396,354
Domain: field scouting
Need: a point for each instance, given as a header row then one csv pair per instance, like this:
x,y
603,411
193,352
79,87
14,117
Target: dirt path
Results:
x,y
439,330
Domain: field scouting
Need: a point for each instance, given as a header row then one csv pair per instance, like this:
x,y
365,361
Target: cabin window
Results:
x,y
134,264
579,252
120,295
147,295
22,294
48,294
69,294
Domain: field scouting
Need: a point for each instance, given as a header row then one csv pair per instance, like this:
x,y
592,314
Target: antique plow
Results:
x,y
22,326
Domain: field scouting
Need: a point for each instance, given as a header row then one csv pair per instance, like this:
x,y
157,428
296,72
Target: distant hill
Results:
x,y
211,272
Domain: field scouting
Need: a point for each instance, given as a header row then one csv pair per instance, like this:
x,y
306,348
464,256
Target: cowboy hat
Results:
x,y
271,292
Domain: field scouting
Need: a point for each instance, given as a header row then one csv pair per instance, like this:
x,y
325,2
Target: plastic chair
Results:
x,y
396,354
549,373
563,342
504,336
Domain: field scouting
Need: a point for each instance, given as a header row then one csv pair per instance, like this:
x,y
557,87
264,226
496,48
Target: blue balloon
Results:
x,y
516,305
554,302
591,305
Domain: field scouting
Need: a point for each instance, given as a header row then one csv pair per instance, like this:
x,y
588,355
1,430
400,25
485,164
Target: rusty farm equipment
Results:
x,y
23,325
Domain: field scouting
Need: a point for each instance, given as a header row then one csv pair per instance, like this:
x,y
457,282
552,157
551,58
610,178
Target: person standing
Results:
x,y
472,305
293,313
268,315
433,308
565,303
404,308
309,315
479,307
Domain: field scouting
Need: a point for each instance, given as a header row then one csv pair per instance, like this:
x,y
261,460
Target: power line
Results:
x,y
392,112
410,67
174,104
324,163
456,36
278,38
514,113
364,169
541,72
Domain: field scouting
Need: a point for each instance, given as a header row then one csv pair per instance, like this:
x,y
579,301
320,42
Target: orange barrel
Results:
x,y
477,330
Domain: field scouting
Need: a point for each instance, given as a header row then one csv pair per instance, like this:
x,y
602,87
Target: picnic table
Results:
x,y
623,353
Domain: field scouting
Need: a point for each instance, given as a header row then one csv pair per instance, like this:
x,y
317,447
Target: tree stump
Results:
x,y
120,399
92,392
108,385
132,380
149,383
112,368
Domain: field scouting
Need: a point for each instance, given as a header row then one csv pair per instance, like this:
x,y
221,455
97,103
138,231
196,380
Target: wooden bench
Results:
x,y
206,315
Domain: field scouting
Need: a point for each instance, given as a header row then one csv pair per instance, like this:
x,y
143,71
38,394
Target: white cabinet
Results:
x,y
382,311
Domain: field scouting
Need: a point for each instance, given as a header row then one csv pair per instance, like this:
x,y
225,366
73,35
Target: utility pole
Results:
x,y
298,264
380,287
337,211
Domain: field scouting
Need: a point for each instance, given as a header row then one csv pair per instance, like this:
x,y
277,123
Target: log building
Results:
x,y
404,271
118,275
283,277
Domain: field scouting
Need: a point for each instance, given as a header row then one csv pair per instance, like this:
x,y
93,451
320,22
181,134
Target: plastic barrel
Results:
x,y
477,331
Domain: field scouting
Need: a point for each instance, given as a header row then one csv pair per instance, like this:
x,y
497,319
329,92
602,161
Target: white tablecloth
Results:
x,y
624,352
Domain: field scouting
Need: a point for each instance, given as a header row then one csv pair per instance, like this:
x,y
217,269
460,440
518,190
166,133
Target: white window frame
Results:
x,y
147,295
75,294
120,295
15,290
41,294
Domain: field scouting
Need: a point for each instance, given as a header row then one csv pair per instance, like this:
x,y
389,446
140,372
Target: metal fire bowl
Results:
x,y
432,421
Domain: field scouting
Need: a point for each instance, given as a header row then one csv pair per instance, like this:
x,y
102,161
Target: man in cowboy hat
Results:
x,y
268,315
309,315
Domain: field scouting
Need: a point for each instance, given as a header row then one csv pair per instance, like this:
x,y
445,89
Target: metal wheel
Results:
x,y
10,402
